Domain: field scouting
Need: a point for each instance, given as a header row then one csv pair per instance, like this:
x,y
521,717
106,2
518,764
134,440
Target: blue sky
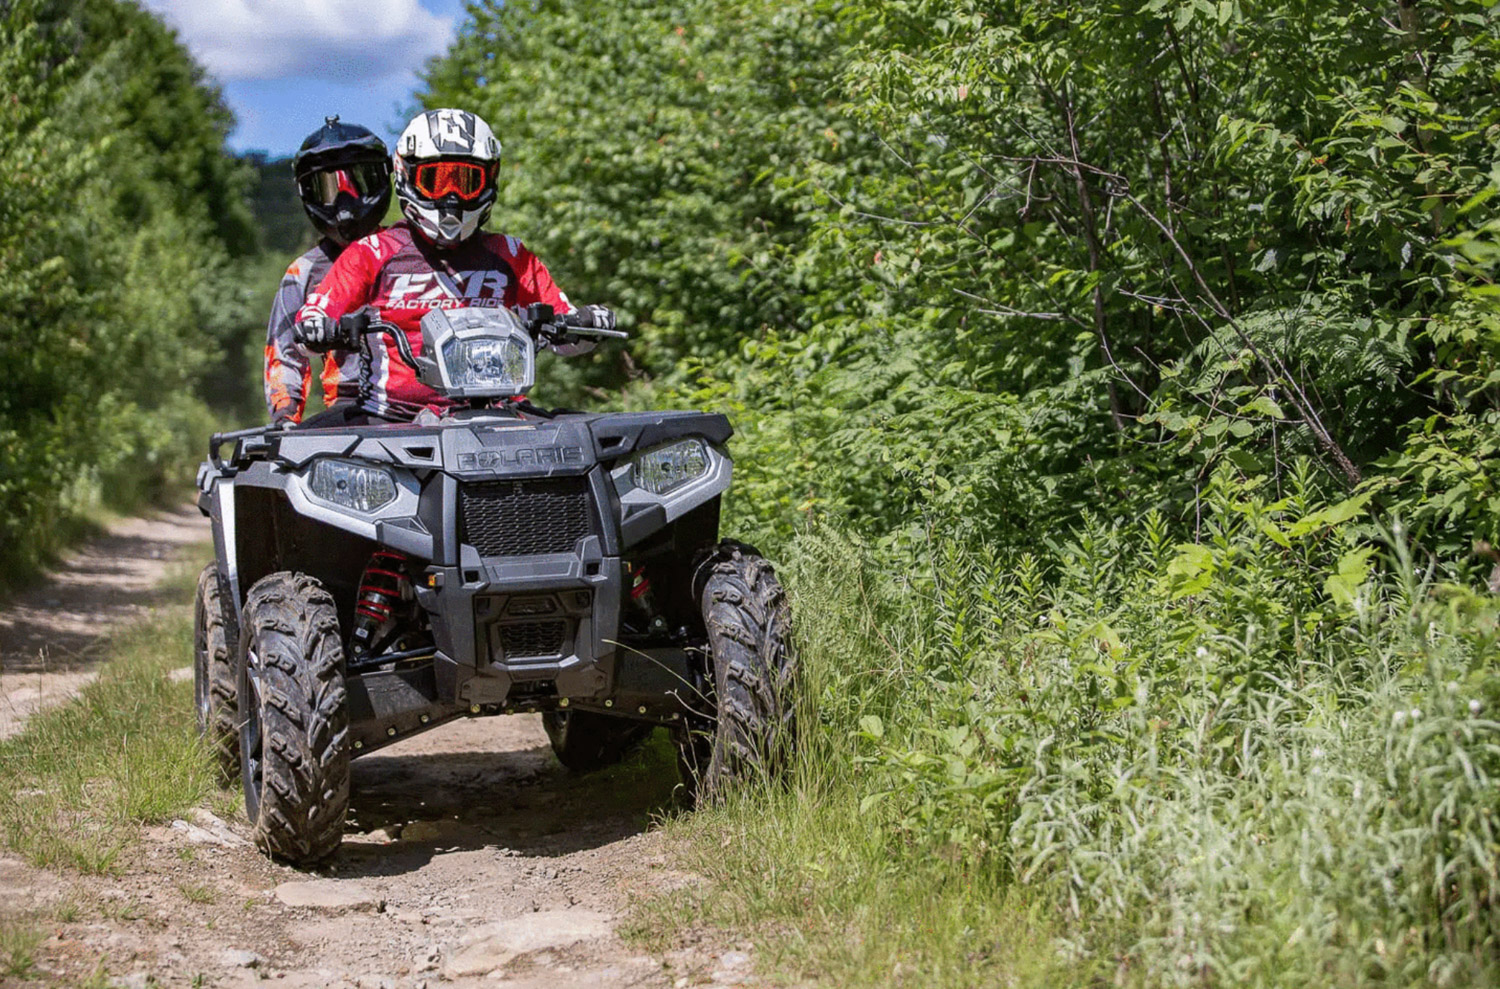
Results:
x,y
286,64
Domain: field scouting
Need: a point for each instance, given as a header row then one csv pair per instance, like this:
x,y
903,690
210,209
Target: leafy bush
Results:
x,y
1103,252
120,213
1071,348
1252,761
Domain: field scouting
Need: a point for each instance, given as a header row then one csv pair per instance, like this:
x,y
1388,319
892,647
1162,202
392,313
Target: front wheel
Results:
x,y
294,739
753,729
215,690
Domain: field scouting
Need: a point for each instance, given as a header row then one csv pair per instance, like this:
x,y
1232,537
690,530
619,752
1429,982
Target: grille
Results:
x,y
523,518
527,640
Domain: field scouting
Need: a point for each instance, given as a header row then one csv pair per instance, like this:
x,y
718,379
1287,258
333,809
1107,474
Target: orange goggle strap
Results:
x,y
436,179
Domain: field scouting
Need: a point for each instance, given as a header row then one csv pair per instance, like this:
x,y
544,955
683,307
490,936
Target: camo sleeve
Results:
x,y
288,367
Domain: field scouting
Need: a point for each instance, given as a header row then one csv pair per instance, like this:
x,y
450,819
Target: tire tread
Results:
x,y
220,727
748,620
292,626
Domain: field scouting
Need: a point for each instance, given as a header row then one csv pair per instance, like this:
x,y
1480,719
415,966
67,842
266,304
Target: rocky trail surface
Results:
x,y
471,857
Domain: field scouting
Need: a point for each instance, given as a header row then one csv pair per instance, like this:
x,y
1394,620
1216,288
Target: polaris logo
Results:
x,y
539,456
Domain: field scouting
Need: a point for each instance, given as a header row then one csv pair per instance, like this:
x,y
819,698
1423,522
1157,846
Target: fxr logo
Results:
x,y
432,287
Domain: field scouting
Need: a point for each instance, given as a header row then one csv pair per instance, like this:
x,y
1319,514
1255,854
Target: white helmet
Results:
x,y
446,163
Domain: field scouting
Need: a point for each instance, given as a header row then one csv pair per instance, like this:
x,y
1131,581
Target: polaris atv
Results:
x,y
372,582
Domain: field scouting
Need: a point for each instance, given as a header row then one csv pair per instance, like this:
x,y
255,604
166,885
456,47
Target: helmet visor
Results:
x,y
464,179
359,180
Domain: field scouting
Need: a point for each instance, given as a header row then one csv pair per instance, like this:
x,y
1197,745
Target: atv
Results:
x,y
371,582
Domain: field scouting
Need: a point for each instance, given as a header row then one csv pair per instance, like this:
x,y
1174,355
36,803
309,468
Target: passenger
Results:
x,y
343,176
446,167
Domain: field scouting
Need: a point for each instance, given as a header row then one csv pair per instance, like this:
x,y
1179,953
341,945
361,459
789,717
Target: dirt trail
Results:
x,y
48,633
471,858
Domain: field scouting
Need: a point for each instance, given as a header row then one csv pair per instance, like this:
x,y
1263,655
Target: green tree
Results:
x,y
121,217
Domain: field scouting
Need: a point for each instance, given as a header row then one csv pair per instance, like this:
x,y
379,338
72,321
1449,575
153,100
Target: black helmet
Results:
x,y
344,178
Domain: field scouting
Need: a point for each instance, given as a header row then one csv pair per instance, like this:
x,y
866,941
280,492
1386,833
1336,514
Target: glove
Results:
x,y
316,332
595,317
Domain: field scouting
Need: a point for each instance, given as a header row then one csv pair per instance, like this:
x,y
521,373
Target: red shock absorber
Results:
x,y
379,590
643,598
640,589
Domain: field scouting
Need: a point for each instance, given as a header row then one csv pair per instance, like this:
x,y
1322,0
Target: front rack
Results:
x,y
217,440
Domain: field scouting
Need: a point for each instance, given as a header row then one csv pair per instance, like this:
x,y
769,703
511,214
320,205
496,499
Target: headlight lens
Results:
x,y
669,467
352,485
486,362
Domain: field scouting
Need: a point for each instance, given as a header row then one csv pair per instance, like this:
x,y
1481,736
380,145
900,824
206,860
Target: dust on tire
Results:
x,y
295,740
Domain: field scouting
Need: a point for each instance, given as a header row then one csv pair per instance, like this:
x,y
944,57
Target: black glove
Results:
x,y
316,332
595,317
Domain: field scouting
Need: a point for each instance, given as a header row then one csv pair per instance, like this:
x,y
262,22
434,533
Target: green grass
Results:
x,y
801,873
1146,764
99,978
19,939
80,777
197,892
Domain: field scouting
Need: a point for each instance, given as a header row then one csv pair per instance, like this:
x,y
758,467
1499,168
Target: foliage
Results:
x,y
1072,347
121,219
284,230
1242,237
1253,760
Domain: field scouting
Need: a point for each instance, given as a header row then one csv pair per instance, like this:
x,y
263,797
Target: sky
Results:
x,y
284,65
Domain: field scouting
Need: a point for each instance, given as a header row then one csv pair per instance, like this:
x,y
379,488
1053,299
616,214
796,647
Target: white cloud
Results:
x,y
335,40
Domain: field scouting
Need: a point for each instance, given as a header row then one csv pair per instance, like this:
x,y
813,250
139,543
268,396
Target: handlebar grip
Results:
x,y
545,322
590,318
352,326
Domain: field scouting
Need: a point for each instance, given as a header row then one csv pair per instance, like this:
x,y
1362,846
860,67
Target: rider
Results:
x,y
446,166
343,174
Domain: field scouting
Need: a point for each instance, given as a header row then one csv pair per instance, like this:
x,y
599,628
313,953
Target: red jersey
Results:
x,y
405,278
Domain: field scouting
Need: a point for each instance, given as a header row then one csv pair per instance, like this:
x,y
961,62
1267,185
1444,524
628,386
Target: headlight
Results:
x,y
486,362
669,467
352,485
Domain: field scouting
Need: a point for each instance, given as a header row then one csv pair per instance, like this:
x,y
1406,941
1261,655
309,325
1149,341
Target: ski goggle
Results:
x,y
359,180
464,179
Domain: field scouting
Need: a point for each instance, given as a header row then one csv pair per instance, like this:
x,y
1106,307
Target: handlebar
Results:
x,y
540,319
543,321
362,322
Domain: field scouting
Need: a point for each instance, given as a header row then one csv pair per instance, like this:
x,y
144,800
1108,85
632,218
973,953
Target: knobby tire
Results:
x,y
298,803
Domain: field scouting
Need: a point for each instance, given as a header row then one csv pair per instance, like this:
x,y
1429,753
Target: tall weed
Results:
x,y
1255,759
